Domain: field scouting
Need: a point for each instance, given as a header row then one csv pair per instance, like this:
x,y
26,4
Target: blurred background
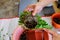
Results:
x,y
12,8
47,11
9,8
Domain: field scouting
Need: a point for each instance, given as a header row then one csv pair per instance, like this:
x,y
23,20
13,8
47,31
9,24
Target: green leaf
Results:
x,y
40,23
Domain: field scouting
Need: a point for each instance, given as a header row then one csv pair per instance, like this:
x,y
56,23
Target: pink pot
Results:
x,y
17,33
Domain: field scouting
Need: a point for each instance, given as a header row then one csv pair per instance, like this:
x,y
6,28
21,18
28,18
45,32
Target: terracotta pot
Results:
x,y
56,15
45,35
30,35
37,35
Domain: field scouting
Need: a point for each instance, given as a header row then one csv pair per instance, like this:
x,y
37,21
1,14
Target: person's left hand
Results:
x,y
54,34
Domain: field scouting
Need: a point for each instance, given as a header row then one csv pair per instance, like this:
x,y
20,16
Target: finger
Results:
x,y
30,6
51,32
30,9
35,11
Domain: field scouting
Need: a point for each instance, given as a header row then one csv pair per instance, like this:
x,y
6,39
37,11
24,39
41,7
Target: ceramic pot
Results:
x,y
56,15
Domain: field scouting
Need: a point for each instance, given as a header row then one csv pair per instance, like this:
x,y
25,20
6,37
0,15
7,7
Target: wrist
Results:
x,y
44,3
41,4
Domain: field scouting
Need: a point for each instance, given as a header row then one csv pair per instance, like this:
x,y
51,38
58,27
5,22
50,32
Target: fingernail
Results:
x,y
30,9
33,14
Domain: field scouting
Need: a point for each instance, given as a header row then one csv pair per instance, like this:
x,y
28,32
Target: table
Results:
x,y
7,27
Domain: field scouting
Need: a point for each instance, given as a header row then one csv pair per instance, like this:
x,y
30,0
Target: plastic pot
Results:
x,y
30,34
37,35
17,33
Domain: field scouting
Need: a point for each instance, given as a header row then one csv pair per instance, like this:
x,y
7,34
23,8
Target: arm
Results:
x,y
55,35
40,5
45,2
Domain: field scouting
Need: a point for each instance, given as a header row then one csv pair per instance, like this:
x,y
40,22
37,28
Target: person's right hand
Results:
x,y
35,8
54,34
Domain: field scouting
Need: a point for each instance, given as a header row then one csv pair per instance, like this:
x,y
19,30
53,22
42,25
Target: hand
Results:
x,y
35,8
30,7
54,34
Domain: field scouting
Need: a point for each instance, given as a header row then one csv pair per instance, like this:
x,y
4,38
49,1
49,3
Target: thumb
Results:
x,y
34,12
37,10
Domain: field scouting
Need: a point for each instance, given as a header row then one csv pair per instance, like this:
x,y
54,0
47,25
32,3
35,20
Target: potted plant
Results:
x,y
31,24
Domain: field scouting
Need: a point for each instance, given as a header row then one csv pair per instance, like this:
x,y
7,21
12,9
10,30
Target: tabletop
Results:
x,y
7,27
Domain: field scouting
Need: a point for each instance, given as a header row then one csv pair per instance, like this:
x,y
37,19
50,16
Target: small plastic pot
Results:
x,y
30,35
45,35
55,15
37,35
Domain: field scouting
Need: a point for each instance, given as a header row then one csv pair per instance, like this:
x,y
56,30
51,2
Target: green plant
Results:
x,y
22,17
40,23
